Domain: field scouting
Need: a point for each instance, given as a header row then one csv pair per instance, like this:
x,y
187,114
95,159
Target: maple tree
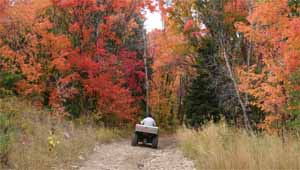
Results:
x,y
94,61
171,65
106,67
30,52
274,32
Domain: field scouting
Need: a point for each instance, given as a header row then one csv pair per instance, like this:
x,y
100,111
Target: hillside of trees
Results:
x,y
92,61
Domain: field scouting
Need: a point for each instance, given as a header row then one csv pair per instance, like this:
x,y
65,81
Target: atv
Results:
x,y
146,135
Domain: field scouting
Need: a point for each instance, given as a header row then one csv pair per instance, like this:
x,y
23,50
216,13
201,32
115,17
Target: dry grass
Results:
x,y
220,147
29,147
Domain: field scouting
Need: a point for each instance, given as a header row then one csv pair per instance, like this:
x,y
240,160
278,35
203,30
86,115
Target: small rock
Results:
x,y
81,157
140,165
75,167
96,148
67,135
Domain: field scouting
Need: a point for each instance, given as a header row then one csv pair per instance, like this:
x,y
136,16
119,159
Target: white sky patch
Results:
x,y
153,21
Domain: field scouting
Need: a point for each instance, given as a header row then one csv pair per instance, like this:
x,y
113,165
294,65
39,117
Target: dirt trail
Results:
x,y
122,156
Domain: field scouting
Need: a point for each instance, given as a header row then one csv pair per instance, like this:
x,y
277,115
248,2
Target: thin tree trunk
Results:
x,y
179,113
146,72
283,124
249,53
246,119
284,115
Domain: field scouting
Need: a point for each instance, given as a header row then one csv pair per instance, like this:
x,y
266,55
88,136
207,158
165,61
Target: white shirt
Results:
x,y
148,121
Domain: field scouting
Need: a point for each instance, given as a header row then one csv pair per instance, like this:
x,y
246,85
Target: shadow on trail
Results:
x,y
164,142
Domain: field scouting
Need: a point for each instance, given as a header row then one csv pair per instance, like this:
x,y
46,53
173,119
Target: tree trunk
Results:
x,y
180,100
246,119
146,72
249,53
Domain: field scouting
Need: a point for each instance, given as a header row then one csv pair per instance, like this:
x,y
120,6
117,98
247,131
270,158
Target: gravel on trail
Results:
x,y
122,156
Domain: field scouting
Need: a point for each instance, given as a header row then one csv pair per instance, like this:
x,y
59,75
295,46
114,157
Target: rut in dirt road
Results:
x,y
122,156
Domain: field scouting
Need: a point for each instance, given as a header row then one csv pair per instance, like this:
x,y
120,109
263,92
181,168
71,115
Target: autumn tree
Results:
x,y
107,66
213,21
95,68
274,79
171,65
28,48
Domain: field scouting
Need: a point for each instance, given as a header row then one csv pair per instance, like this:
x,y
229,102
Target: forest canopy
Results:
x,y
236,60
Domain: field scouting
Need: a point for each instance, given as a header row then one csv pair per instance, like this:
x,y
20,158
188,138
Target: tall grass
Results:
x,y
25,140
220,147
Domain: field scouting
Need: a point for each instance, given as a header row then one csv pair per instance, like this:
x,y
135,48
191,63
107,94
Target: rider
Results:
x,y
148,121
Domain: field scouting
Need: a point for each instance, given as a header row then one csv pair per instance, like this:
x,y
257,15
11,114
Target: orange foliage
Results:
x,y
171,63
268,124
52,67
24,56
235,9
276,37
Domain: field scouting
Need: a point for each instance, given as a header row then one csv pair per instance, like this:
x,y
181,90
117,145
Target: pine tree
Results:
x,y
202,102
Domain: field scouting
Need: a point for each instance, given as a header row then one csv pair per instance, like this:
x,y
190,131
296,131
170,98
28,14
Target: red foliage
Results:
x,y
110,77
188,25
87,67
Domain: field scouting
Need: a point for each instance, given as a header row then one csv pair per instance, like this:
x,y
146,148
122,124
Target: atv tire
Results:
x,y
134,141
155,142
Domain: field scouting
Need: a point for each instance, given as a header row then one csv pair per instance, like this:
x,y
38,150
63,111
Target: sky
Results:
x,y
153,21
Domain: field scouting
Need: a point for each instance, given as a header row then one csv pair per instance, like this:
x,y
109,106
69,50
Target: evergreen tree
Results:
x,y
202,104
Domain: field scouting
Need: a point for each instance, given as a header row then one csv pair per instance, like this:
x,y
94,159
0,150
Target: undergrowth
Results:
x,y
31,140
221,147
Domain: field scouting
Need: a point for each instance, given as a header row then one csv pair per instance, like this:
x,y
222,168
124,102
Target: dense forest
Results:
x,y
228,60
233,61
